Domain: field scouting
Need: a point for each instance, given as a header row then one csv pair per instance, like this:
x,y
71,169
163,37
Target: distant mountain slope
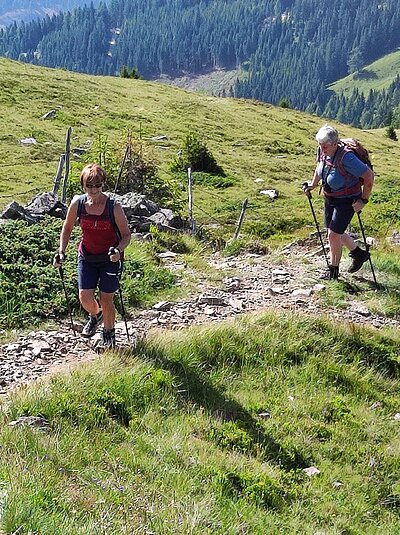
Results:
x,y
376,76
26,10
291,49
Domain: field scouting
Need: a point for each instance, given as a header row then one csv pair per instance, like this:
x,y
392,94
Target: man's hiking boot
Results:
x,y
331,274
108,338
91,325
359,256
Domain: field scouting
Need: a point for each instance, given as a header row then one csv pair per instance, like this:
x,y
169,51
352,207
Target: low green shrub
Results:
x,y
258,488
335,410
268,227
31,290
245,245
230,436
213,180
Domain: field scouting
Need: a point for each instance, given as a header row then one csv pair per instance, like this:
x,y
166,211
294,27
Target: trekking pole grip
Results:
x,y
303,187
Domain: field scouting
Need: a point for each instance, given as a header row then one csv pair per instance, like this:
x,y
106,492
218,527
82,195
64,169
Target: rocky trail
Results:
x,y
248,283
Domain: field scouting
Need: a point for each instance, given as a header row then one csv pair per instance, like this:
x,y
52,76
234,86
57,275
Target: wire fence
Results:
x,y
205,192
19,194
30,163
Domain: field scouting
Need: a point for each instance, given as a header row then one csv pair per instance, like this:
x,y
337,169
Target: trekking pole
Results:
x,y
367,247
61,272
309,196
113,250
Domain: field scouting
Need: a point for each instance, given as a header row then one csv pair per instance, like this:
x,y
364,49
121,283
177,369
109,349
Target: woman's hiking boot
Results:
x,y
331,274
108,338
359,256
91,325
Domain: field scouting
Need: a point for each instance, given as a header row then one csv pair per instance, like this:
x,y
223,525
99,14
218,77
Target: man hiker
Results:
x,y
347,183
105,234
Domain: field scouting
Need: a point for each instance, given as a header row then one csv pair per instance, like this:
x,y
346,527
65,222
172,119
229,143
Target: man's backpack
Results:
x,y
352,145
345,146
110,211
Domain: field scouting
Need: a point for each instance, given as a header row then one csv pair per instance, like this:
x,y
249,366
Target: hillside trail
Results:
x,y
248,283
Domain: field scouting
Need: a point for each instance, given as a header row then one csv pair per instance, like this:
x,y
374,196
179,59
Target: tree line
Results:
x,y
286,49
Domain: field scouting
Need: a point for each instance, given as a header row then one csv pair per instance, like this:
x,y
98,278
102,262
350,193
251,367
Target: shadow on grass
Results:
x,y
195,388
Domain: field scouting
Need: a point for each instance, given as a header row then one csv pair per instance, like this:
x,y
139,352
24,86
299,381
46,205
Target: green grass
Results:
x,y
171,438
249,140
377,76
174,436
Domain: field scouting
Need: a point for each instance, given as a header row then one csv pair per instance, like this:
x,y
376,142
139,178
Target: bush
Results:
x,y
140,174
195,154
241,245
267,228
30,288
258,488
284,103
125,72
391,133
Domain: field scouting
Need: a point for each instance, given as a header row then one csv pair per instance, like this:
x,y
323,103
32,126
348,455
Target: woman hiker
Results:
x,y
105,234
347,183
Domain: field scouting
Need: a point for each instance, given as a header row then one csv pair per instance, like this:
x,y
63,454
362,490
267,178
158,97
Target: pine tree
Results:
x,y
391,133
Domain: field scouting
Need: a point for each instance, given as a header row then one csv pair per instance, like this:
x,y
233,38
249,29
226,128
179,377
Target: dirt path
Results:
x,y
249,283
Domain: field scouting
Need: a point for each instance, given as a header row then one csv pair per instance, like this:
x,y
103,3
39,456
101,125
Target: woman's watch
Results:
x,y
365,201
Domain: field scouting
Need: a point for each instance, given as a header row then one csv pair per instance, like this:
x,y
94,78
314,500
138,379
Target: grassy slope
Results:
x,y
208,432
168,439
249,139
380,74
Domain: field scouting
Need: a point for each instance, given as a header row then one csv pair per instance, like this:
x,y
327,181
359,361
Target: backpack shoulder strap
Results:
x,y
343,149
110,209
81,202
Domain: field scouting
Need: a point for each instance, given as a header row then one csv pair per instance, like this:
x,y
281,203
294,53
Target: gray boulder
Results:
x,y
165,219
135,204
46,204
15,211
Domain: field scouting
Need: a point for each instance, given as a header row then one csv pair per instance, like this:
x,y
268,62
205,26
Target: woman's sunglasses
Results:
x,y
90,186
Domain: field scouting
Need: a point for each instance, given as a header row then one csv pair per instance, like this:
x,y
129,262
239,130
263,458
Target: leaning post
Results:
x,y
57,179
67,159
241,217
190,193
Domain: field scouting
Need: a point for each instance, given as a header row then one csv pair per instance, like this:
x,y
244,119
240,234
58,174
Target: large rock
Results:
x,y
135,204
395,238
165,219
47,204
141,212
16,211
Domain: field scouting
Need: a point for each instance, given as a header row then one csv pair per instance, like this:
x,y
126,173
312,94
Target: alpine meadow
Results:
x,y
271,50
231,411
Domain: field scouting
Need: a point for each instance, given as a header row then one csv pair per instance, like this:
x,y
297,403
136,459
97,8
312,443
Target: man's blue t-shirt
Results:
x,y
336,181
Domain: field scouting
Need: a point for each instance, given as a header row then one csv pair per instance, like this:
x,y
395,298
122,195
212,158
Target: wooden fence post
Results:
x,y
57,180
121,168
67,158
241,217
190,193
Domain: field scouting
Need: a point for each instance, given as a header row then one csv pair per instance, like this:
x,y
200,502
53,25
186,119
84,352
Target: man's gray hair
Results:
x,y
327,134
